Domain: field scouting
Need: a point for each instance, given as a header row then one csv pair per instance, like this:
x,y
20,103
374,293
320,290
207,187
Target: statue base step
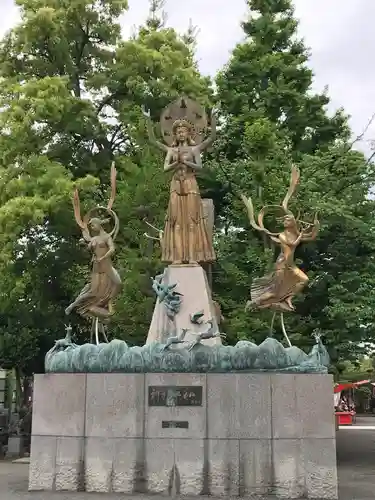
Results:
x,y
192,283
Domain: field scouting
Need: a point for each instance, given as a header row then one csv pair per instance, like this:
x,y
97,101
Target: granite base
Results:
x,y
249,435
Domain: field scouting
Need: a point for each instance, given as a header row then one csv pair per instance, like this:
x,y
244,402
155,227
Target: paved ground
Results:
x,y
356,460
355,453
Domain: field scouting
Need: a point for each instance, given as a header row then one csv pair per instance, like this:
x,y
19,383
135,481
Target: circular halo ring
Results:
x,y
265,210
192,112
114,232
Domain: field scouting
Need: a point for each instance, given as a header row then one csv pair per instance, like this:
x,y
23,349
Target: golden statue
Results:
x,y
186,237
276,290
95,300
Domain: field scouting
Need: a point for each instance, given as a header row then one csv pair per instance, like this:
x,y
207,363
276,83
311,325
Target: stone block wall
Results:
x,y
253,435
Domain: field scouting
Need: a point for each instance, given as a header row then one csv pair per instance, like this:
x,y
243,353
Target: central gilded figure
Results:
x,y
186,237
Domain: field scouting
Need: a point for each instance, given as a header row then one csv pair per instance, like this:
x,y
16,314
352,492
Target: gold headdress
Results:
x,y
182,122
183,112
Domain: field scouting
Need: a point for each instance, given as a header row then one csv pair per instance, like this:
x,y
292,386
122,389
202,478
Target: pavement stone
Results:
x,y
356,461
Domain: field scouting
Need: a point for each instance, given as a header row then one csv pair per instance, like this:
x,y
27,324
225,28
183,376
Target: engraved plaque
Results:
x,y
175,395
175,424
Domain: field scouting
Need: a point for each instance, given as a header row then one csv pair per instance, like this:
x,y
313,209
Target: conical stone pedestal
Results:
x,y
192,283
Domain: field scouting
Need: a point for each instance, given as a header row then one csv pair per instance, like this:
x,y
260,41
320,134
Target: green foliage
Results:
x,y
267,76
361,369
71,97
270,117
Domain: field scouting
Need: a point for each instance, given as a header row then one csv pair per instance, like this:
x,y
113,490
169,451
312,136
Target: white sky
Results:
x,y
340,33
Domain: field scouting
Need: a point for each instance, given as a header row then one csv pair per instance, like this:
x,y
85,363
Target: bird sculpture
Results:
x,y
197,318
319,352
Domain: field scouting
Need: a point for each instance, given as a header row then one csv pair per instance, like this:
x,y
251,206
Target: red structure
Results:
x,y
346,416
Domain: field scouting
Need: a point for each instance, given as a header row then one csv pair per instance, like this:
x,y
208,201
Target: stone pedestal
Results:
x,y
16,447
193,285
249,435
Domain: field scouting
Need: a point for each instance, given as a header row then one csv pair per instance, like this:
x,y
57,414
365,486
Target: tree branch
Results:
x,y
361,135
116,131
108,99
80,47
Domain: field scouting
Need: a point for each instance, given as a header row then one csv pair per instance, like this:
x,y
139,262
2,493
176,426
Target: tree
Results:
x,y
71,97
355,372
267,77
269,119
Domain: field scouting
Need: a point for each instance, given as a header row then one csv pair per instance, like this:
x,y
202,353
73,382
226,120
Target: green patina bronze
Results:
x,y
167,295
117,356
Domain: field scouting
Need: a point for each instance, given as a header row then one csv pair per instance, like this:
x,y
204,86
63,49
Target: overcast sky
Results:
x,y
340,34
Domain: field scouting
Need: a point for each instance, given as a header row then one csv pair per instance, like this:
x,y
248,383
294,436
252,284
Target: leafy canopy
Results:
x,y
71,97
270,118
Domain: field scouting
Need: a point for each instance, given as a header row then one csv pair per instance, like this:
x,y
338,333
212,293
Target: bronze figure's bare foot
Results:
x,y
289,303
68,310
250,305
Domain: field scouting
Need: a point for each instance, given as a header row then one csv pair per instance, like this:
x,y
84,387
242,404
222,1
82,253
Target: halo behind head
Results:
x,y
112,216
189,114
281,213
